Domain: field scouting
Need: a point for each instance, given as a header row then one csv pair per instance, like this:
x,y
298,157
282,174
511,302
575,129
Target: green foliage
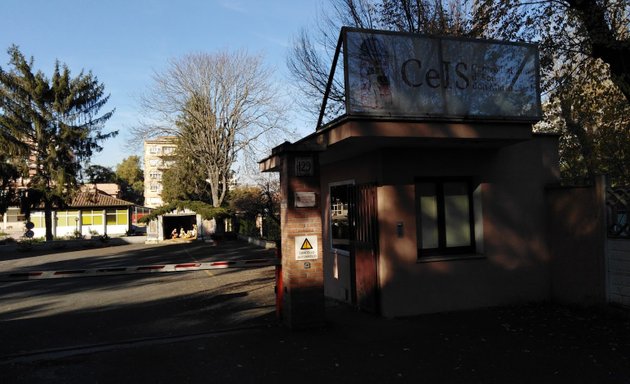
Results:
x,y
593,118
184,181
131,179
207,211
99,174
8,175
247,201
585,77
271,229
250,202
50,125
247,227
129,170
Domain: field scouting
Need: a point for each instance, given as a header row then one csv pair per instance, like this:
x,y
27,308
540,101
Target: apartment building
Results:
x,y
159,155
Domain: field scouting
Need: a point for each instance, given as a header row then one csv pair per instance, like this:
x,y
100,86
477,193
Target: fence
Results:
x,y
618,206
618,245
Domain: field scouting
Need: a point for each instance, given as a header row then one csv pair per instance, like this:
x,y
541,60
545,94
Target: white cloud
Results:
x,y
235,6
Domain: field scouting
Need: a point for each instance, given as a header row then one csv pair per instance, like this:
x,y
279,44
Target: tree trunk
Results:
x,y
604,45
575,128
48,219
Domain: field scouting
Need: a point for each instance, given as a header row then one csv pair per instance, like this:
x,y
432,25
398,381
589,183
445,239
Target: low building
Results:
x,y
429,194
90,213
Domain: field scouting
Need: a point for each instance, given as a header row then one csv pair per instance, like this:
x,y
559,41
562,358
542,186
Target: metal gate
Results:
x,y
364,251
618,245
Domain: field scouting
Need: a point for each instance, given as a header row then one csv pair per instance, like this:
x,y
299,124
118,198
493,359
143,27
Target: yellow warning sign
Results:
x,y
306,247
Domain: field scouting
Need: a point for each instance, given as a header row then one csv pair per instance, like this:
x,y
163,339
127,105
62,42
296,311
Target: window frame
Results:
x,y
442,249
347,183
116,216
91,217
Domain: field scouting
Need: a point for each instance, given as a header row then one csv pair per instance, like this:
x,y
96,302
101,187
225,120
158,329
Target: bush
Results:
x,y
247,227
271,229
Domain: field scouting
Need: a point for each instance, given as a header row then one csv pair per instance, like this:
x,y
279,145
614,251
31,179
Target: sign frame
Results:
x,y
304,166
306,248
305,200
508,92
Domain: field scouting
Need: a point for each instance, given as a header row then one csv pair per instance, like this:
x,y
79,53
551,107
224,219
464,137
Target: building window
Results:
x,y
117,217
154,149
340,196
154,187
38,219
446,221
155,175
67,218
92,217
169,150
14,215
154,162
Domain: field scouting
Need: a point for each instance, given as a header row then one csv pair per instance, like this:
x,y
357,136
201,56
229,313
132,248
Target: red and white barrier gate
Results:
x,y
183,267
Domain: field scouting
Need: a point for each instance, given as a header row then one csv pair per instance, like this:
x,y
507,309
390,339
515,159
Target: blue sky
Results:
x,y
124,41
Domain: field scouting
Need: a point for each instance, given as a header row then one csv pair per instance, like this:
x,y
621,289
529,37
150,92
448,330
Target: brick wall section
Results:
x,y
303,299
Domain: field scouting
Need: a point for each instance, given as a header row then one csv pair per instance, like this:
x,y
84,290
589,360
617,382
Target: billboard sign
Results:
x,y
409,75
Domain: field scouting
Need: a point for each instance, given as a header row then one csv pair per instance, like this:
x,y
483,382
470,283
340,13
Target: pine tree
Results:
x,y
53,126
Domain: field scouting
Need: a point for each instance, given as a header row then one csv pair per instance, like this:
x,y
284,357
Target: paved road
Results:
x,y
166,328
51,314
129,255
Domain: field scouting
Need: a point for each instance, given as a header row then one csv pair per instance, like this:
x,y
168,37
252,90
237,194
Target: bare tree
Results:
x,y
220,106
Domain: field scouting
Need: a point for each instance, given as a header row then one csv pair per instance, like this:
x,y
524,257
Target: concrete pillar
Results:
x,y
53,220
301,234
104,218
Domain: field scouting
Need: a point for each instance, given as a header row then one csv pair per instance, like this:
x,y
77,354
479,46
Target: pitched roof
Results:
x,y
97,199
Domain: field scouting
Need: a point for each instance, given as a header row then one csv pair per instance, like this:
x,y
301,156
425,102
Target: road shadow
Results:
x,y
237,300
137,255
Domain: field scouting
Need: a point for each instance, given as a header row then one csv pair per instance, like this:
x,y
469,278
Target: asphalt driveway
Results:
x,y
228,333
103,256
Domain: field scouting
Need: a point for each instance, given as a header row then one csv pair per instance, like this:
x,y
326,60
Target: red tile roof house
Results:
x,y
91,213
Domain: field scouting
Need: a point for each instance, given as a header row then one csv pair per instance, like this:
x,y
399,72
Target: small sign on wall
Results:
x,y
305,199
306,247
304,166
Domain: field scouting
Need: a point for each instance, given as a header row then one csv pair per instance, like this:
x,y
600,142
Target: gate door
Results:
x,y
364,257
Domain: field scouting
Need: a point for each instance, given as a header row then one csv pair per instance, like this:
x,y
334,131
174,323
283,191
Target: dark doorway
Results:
x,y
179,222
